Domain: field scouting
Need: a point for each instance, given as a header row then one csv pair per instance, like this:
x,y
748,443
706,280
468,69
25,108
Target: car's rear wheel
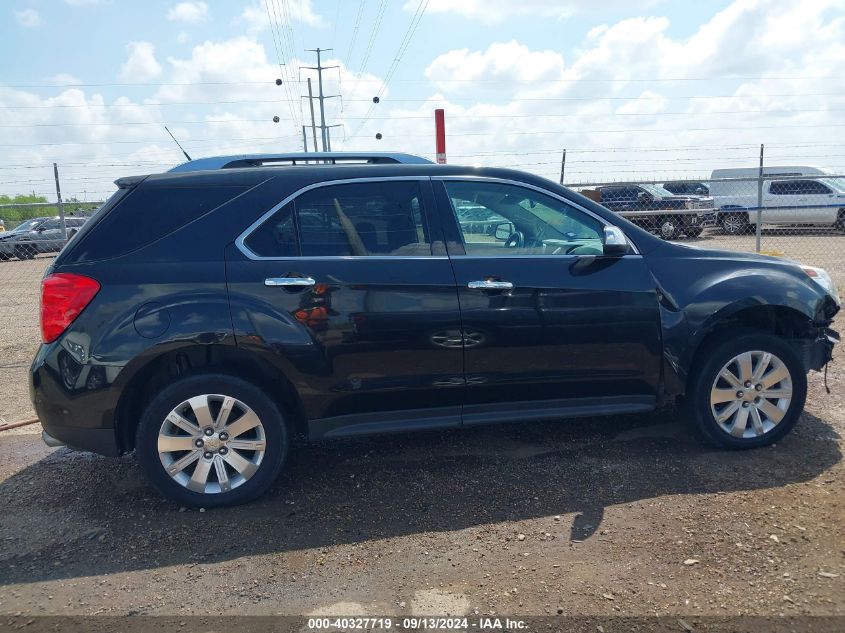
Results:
x,y
840,220
211,440
735,223
747,392
25,252
693,231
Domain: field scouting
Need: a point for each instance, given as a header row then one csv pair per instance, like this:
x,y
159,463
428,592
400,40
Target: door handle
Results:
x,y
489,284
290,282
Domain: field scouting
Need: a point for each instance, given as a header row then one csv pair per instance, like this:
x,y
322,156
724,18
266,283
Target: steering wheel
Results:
x,y
515,240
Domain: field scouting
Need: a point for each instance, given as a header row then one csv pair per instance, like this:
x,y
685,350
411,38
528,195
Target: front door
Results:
x,y
348,289
550,326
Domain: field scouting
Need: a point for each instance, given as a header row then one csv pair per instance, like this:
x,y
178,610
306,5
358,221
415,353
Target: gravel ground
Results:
x,y
626,515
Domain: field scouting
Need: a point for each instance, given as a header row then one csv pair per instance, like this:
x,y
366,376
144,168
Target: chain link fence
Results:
x,y
795,215
798,216
33,235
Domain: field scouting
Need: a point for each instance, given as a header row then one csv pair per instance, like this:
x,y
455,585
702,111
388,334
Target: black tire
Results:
x,y
668,227
693,231
4,257
734,223
840,221
25,252
702,378
275,436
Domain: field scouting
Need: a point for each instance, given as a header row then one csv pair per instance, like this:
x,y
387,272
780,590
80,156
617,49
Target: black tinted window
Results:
x,y
147,214
276,237
378,218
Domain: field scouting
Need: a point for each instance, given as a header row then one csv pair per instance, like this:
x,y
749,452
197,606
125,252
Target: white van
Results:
x,y
788,199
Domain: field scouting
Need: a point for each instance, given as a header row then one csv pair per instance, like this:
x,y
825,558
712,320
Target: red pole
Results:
x,y
440,135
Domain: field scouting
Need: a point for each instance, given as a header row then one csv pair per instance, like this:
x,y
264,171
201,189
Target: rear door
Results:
x,y
347,287
798,202
550,326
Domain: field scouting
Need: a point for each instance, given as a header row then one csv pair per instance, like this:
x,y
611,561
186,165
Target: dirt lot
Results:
x,y
597,516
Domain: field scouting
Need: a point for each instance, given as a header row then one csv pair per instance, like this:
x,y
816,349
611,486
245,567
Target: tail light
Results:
x,y
63,297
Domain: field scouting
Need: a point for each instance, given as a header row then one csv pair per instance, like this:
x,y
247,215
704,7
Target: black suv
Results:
x,y
255,305
658,210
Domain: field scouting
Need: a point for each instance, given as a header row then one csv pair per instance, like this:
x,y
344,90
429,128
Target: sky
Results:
x,y
632,89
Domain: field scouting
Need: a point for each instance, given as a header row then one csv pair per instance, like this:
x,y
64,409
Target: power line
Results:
x,y
355,32
474,99
434,79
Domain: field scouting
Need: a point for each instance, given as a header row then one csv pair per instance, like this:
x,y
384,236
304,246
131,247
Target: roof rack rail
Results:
x,y
296,158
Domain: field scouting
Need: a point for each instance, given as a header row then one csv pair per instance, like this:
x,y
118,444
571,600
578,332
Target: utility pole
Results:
x,y
313,125
320,96
304,141
562,165
61,204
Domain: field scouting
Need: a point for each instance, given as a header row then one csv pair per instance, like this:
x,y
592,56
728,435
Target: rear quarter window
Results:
x,y
145,215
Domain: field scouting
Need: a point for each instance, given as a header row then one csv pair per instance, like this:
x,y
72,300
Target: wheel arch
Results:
x,y
786,322
174,364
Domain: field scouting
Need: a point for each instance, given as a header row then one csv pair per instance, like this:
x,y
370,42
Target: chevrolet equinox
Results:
x,y
254,303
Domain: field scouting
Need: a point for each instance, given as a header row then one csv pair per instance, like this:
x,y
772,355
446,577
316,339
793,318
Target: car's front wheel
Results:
x,y
746,392
668,227
212,440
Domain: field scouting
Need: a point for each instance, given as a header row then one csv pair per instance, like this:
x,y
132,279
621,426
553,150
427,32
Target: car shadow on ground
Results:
x,y
69,514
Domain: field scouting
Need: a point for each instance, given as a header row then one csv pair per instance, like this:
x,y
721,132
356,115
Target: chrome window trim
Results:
x,y
243,248
518,183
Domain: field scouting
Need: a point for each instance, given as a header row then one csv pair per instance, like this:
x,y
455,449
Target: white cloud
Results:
x,y
141,64
28,18
509,91
256,19
494,11
504,66
189,12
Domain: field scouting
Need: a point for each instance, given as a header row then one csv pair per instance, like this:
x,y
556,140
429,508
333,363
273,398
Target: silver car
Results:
x,y
38,235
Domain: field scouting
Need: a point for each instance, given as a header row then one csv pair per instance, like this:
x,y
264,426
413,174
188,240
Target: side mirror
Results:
x,y
615,243
644,197
503,231
40,229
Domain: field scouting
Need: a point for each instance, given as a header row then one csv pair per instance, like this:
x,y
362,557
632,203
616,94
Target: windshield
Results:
x,y
657,190
29,225
835,183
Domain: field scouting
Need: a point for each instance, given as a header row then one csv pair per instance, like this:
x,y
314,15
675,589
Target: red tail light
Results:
x,y
63,297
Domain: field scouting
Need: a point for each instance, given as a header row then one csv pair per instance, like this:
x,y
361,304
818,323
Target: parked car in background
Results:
x,y
687,188
657,210
791,196
38,235
211,334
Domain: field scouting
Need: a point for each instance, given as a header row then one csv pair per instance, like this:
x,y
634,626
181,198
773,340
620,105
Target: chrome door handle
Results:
x,y
298,282
489,284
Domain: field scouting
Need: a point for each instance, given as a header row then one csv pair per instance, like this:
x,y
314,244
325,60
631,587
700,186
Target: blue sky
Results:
x,y
634,89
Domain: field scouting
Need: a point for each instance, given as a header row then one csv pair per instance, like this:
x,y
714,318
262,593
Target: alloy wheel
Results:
x,y
211,443
751,394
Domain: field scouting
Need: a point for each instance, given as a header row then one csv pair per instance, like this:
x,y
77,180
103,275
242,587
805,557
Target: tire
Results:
x,y
735,223
25,252
706,386
840,221
693,231
249,473
4,257
668,227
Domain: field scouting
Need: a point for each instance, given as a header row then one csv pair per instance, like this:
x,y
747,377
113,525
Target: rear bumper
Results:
x,y
76,417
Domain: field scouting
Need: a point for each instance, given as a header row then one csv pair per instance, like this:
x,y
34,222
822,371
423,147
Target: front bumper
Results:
x,y
818,352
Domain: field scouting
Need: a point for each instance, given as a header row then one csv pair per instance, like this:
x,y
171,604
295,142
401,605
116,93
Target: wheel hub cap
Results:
x,y
751,394
211,443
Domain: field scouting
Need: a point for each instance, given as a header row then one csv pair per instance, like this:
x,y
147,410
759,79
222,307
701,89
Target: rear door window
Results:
x,y
357,219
